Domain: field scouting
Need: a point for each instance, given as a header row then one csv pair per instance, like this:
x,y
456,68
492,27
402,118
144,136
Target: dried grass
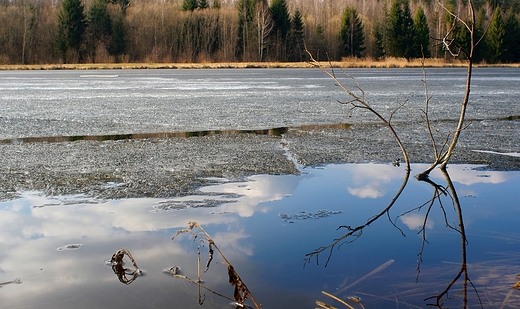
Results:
x,y
241,293
345,63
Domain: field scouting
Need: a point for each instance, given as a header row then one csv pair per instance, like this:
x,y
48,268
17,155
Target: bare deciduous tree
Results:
x,y
443,146
264,24
444,150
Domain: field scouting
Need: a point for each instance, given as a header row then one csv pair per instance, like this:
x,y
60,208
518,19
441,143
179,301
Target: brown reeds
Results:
x,y
345,63
241,293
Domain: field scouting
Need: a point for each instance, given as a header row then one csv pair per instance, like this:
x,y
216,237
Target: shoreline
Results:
x,y
348,63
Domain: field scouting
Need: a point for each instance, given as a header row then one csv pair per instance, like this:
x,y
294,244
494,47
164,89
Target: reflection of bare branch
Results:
x,y
200,285
463,272
354,233
370,274
241,292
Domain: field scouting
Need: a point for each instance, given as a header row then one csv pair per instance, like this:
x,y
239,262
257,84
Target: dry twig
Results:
x,y
241,292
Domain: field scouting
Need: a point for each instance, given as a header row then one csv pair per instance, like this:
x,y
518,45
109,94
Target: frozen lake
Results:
x,y
273,168
72,103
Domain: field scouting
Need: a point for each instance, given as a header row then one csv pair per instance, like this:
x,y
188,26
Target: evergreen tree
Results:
x,y
380,33
351,34
71,26
462,38
408,38
99,30
319,46
511,38
378,49
422,34
401,32
481,49
282,25
203,4
118,46
189,5
495,37
246,27
296,38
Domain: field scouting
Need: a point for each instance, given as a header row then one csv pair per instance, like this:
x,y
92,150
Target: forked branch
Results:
x,y
358,101
444,156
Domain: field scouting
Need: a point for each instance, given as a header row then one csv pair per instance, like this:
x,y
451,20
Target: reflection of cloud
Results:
x,y
231,240
29,237
256,190
467,175
372,180
416,221
368,191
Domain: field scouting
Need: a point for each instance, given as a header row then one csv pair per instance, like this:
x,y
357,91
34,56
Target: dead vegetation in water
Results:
x,y
240,293
127,275
350,300
122,272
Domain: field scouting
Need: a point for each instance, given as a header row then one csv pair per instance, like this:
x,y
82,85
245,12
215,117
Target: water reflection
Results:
x,y
370,181
266,251
115,137
455,293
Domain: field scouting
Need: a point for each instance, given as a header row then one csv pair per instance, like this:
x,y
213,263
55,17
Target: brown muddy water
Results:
x,y
281,177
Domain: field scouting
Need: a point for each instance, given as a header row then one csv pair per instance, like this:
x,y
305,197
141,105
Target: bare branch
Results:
x,y
241,292
358,101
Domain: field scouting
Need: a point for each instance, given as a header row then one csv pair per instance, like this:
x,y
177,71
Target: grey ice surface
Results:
x,y
74,104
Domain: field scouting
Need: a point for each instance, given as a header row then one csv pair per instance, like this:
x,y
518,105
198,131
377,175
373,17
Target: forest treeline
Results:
x,y
95,31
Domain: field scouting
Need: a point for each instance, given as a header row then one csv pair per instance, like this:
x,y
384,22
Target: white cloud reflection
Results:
x,y
372,180
256,190
416,221
33,227
470,175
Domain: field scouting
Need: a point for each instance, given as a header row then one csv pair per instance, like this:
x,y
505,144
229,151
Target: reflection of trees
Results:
x,y
460,284
462,274
355,232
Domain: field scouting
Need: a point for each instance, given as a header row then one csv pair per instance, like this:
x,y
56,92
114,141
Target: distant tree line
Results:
x,y
82,31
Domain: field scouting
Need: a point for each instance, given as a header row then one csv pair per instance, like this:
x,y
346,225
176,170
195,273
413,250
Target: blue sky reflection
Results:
x,y
266,251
